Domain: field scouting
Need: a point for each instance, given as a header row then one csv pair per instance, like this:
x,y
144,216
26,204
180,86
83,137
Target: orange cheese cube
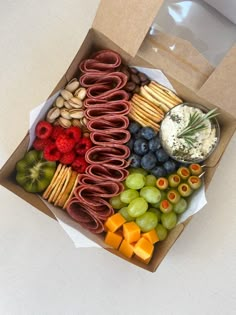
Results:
x,y
126,249
113,239
143,248
131,232
151,236
114,222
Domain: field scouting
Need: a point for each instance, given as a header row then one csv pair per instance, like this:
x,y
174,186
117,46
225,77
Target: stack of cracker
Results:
x,y
62,186
150,106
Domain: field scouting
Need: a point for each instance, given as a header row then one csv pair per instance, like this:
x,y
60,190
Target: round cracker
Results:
x,y
146,112
72,192
68,188
57,187
159,97
145,94
167,91
145,107
53,181
161,93
63,187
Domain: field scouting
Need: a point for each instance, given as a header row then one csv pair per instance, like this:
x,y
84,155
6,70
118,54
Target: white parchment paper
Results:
x,y
197,200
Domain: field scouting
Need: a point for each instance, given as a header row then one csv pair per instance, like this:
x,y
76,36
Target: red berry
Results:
x,y
51,153
64,143
40,144
56,131
43,129
83,146
74,133
79,165
67,158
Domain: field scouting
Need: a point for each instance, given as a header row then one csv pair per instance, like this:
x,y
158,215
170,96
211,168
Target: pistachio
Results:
x,y
65,123
65,113
85,121
76,113
80,93
72,85
75,102
76,123
66,95
53,114
56,122
67,105
59,102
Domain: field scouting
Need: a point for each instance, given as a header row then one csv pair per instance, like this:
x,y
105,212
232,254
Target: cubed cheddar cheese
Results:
x,y
126,249
114,222
131,232
151,236
143,248
113,239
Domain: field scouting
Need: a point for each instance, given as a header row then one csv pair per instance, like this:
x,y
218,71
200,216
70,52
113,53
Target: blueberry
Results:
x,y
170,166
158,171
154,144
130,144
140,146
148,161
134,127
161,155
135,160
138,135
148,133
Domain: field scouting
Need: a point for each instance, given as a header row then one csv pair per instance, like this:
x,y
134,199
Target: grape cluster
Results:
x,y
147,152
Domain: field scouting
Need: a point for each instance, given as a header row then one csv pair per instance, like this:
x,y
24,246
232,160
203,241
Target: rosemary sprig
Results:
x,y
196,123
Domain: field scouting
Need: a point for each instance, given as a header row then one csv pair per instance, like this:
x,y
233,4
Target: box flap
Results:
x,y
219,88
126,22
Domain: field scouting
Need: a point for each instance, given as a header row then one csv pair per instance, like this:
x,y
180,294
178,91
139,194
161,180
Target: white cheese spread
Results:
x,y
174,123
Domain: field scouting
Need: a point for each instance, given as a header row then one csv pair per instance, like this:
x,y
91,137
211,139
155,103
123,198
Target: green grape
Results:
x,y
116,203
181,206
150,180
150,194
135,181
147,221
169,220
157,212
137,207
163,196
124,184
124,212
138,170
128,195
161,232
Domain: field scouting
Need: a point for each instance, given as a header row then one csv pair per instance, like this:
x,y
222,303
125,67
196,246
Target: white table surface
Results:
x,y
40,270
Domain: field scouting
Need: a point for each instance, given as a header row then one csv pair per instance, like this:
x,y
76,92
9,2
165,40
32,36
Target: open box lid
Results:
x,y
126,23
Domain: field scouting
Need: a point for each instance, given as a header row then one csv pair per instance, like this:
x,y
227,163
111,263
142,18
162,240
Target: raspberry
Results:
x,y
67,158
83,146
64,143
43,129
79,165
51,153
56,131
74,133
40,144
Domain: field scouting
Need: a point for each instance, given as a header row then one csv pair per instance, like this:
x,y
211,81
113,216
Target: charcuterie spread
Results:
x,y
117,151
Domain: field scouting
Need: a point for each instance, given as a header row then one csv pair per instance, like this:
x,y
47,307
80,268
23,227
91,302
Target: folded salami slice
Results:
x,y
101,172
84,216
108,122
113,136
105,155
107,108
102,61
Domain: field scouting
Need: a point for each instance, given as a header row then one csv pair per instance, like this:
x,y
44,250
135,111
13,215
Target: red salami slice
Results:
x,y
108,108
81,213
101,61
105,123
114,136
101,172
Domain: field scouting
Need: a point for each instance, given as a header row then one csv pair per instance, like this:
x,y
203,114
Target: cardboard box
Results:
x,y
122,26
